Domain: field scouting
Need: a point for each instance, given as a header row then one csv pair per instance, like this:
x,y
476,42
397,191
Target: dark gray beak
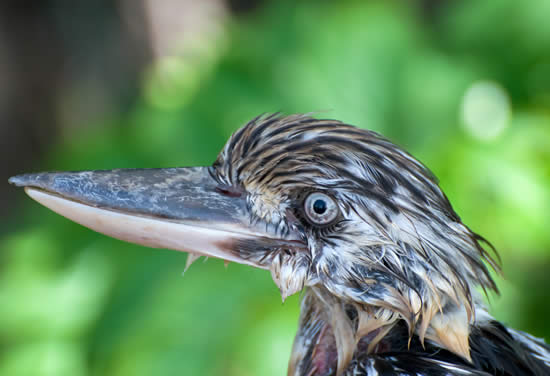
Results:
x,y
183,209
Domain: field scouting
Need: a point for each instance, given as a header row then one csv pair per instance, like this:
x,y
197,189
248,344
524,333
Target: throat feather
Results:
x,y
345,330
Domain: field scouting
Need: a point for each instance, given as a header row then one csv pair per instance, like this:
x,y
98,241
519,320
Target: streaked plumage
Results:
x,y
390,284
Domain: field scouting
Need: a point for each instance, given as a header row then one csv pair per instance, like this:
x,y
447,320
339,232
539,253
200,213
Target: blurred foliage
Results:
x,y
73,302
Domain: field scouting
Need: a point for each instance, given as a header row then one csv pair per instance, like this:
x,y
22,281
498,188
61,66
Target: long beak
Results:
x,y
183,209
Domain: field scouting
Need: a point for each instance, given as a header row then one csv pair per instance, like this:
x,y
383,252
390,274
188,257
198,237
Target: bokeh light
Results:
x,y
485,110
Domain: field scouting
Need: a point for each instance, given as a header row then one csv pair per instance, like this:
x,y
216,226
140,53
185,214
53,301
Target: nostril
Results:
x,y
228,190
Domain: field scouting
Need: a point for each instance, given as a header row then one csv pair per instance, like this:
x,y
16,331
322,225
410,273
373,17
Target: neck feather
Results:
x,y
333,331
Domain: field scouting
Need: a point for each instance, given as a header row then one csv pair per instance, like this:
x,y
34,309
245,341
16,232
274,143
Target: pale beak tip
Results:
x,y
28,180
18,180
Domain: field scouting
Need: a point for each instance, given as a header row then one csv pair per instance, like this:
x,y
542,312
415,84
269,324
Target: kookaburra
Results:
x,y
391,274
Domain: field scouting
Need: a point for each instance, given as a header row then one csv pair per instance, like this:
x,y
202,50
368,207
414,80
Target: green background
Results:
x,y
466,92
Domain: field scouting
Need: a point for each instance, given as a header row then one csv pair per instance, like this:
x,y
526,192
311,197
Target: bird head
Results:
x,y
320,204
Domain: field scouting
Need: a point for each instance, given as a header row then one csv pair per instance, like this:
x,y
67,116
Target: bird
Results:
x,y
391,279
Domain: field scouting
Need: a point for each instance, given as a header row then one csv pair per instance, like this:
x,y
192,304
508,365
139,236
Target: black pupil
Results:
x,y
319,206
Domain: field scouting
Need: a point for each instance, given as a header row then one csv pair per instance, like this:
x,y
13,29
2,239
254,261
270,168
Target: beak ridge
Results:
x,y
170,193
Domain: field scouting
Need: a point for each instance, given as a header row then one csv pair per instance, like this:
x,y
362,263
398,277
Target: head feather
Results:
x,y
399,246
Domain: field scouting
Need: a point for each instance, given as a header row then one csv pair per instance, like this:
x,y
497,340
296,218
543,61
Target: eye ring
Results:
x,y
320,209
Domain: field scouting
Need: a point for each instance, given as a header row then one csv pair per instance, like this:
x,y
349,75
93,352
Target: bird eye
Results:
x,y
320,208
